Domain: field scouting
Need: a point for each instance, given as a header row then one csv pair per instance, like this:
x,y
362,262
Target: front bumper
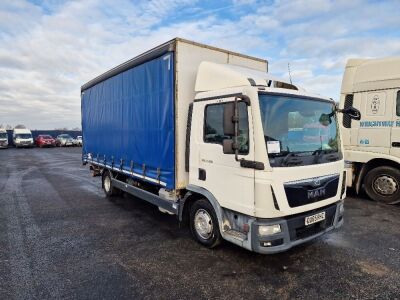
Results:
x,y
24,144
293,229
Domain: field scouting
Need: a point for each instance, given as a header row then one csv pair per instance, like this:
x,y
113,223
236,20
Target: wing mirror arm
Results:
x,y
231,125
352,112
231,128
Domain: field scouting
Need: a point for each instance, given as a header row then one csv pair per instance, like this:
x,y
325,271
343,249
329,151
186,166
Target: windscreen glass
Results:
x,y
3,135
295,126
23,136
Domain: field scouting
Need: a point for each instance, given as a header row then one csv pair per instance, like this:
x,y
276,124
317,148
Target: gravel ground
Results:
x,y
60,238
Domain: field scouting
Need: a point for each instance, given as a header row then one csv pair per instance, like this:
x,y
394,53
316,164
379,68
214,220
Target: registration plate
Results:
x,y
315,218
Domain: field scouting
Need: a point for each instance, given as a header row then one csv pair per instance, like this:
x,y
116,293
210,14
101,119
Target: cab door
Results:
x,y
375,127
219,173
395,136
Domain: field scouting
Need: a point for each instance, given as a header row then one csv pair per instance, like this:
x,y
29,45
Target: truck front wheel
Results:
x,y
108,188
204,224
382,184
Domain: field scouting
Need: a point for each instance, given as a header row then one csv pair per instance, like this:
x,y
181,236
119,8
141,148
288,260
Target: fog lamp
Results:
x,y
269,229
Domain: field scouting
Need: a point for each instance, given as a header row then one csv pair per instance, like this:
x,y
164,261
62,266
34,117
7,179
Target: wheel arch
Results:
x,y
194,193
368,166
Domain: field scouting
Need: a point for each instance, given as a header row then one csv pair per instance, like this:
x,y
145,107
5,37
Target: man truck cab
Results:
x,y
254,160
3,138
22,137
372,145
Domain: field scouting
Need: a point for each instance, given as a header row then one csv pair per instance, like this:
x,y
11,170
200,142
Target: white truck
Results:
x,y
3,138
208,135
22,138
372,145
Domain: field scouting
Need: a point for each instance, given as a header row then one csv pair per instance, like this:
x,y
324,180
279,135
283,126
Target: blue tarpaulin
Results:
x,y
130,117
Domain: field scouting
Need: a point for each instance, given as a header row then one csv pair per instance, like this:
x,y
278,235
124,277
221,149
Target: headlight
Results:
x,y
269,229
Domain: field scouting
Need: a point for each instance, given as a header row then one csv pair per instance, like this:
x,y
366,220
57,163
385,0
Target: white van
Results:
x,y
3,138
22,137
372,145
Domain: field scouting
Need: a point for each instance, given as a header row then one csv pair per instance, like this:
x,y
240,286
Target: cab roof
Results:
x,y
214,76
371,74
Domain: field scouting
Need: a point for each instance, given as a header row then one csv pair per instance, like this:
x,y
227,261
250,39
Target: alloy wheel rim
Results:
x,y
203,224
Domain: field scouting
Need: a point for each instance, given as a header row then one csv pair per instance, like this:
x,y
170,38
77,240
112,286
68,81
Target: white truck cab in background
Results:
x,y
372,145
22,137
3,138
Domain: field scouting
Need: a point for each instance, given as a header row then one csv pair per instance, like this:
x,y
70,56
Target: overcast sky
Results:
x,y
49,48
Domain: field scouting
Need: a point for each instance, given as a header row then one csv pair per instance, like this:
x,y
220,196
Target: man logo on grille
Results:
x,y
316,182
315,194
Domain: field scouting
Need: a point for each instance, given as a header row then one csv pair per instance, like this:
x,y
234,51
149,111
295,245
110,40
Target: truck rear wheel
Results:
x,y
108,188
382,184
204,224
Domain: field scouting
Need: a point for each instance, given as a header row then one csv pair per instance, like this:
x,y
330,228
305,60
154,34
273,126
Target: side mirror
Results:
x,y
325,119
228,146
353,113
229,113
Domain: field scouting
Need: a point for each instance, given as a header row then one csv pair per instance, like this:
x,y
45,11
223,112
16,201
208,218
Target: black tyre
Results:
x,y
382,184
107,185
204,224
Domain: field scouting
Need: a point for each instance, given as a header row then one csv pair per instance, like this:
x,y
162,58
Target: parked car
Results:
x,y
3,138
64,140
75,142
45,141
79,140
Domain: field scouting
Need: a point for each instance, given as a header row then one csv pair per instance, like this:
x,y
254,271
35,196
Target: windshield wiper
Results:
x,y
291,159
319,153
280,154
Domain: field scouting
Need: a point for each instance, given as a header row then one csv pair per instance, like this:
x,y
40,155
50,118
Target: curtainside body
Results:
x,y
134,117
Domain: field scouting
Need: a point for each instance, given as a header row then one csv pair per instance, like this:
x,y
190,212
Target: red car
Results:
x,y
45,141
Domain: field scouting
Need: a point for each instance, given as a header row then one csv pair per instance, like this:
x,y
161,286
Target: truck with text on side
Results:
x,y
372,146
208,135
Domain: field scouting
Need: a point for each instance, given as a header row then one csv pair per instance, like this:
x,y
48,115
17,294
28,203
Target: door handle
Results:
x,y
396,144
202,174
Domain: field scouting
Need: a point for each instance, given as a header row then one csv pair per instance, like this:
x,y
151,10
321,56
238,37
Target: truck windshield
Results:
x,y
23,136
298,131
3,135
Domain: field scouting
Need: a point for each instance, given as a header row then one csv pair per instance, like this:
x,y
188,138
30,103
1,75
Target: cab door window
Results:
x,y
213,126
398,104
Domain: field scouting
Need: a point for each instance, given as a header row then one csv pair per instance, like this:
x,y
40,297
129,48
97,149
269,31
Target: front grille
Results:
x,y
311,190
298,230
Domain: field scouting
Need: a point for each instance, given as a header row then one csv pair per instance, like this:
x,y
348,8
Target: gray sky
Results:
x,y
49,48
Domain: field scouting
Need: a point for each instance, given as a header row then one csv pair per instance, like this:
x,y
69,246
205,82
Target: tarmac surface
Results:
x,y
60,238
